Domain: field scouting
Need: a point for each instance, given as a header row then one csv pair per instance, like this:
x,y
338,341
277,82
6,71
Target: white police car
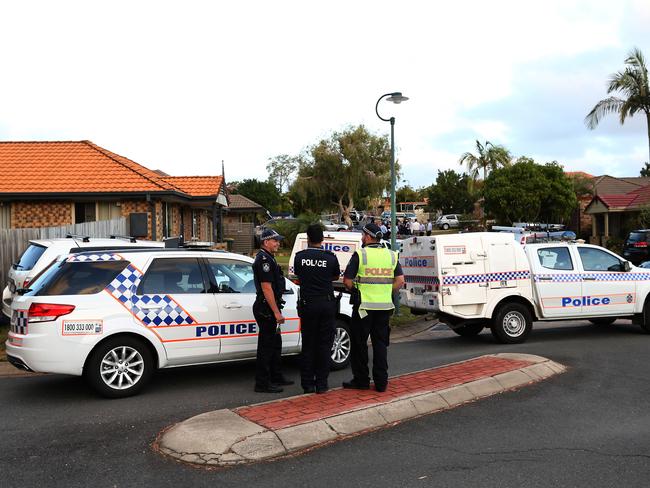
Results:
x,y
115,317
41,252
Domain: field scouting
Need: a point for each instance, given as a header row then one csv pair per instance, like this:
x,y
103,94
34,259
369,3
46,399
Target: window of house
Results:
x,y
108,211
167,214
5,215
195,223
85,212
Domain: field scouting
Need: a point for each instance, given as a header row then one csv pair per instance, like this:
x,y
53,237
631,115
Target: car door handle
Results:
x,y
232,305
589,278
151,307
544,278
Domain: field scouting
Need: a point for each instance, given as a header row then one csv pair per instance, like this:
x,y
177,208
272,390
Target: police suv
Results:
x,y
476,280
115,317
41,252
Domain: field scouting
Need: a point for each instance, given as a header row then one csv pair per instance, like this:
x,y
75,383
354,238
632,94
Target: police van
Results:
x,y
116,317
342,244
476,280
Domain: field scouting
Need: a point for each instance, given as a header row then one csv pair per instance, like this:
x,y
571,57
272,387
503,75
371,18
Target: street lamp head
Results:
x,y
397,97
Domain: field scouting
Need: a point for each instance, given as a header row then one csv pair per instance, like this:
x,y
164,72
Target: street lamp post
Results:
x,y
395,97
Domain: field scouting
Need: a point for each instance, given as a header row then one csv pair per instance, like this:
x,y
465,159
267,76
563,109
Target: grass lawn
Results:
x,y
405,317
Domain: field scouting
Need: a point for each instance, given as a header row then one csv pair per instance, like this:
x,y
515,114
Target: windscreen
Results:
x,y
637,237
29,258
76,278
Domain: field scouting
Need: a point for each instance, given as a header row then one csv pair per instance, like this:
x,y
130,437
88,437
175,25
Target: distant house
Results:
x,y
244,210
59,183
615,206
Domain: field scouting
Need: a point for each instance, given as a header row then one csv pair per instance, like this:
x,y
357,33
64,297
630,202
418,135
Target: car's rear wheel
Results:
x,y
469,330
119,367
512,323
341,346
603,321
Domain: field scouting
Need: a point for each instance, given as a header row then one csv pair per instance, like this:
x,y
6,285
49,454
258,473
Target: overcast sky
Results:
x,y
181,86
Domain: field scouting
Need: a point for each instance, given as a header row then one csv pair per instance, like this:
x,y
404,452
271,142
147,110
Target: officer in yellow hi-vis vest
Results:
x,y
372,275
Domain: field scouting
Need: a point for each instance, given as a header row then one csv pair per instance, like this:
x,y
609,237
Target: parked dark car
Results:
x,y
637,246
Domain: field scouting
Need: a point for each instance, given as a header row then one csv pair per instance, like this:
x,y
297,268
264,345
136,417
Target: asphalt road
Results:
x,y
587,427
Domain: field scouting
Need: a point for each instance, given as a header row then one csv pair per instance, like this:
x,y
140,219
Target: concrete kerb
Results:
x,y
223,438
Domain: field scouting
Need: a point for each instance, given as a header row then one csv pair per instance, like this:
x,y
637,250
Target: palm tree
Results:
x,y
632,83
489,157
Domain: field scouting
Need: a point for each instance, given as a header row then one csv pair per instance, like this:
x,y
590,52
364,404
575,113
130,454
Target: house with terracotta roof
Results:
x,y
47,184
615,206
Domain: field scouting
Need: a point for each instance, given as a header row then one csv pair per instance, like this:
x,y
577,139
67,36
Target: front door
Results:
x,y
607,289
233,287
558,282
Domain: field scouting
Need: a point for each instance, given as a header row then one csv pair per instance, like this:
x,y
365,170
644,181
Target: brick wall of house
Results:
x,y
40,214
187,221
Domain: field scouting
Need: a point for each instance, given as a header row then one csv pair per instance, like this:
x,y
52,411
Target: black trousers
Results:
x,y
317,329
376,325
269,347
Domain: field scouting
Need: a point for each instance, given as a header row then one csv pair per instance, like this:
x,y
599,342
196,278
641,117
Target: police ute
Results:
x,y
114,317
342,244
483,279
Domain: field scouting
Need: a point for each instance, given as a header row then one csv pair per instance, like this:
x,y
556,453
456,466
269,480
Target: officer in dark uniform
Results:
x,y
269,285
316,269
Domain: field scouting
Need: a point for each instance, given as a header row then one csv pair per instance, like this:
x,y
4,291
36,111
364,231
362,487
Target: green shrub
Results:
x,y
615,244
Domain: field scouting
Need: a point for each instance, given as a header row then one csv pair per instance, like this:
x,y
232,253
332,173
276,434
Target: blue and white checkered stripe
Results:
x,y
123,288
485,277
19,325
570,277
82,258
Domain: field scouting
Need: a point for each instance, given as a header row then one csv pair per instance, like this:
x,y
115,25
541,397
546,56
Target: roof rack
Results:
x,y
75,236
129,238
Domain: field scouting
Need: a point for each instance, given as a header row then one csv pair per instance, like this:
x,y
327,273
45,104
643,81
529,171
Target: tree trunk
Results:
x,y
345,216
647,119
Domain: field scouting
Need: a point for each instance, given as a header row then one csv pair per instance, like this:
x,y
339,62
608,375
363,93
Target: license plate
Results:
x,y
418,290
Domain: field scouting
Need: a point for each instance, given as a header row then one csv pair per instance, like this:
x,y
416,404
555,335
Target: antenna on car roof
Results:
x,y
74,237
129,238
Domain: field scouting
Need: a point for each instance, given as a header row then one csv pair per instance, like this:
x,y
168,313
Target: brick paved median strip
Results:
x,y
289,425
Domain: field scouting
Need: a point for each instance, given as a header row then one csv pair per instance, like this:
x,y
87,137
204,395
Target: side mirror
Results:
x,y
626,266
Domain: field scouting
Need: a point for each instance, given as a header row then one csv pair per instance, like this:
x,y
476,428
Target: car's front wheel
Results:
x,y
445,226
119,367
341,346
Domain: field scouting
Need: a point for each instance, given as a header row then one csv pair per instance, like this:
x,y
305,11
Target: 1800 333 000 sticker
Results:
x,y
82,327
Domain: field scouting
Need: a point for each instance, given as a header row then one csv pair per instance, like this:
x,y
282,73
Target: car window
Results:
x,y
76,278
232,276
29,258
597,260
172,276
557,258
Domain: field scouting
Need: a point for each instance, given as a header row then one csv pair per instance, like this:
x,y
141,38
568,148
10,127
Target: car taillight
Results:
x,y
45,312
641,244
26,282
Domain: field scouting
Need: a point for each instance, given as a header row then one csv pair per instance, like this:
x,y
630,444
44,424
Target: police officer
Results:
x,y
316,269
372,275
269,285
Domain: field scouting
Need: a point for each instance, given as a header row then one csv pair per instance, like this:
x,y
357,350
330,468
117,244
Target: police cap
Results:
x,y
373,231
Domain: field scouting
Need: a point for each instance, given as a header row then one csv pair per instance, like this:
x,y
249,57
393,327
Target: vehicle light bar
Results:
x,y
46,312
